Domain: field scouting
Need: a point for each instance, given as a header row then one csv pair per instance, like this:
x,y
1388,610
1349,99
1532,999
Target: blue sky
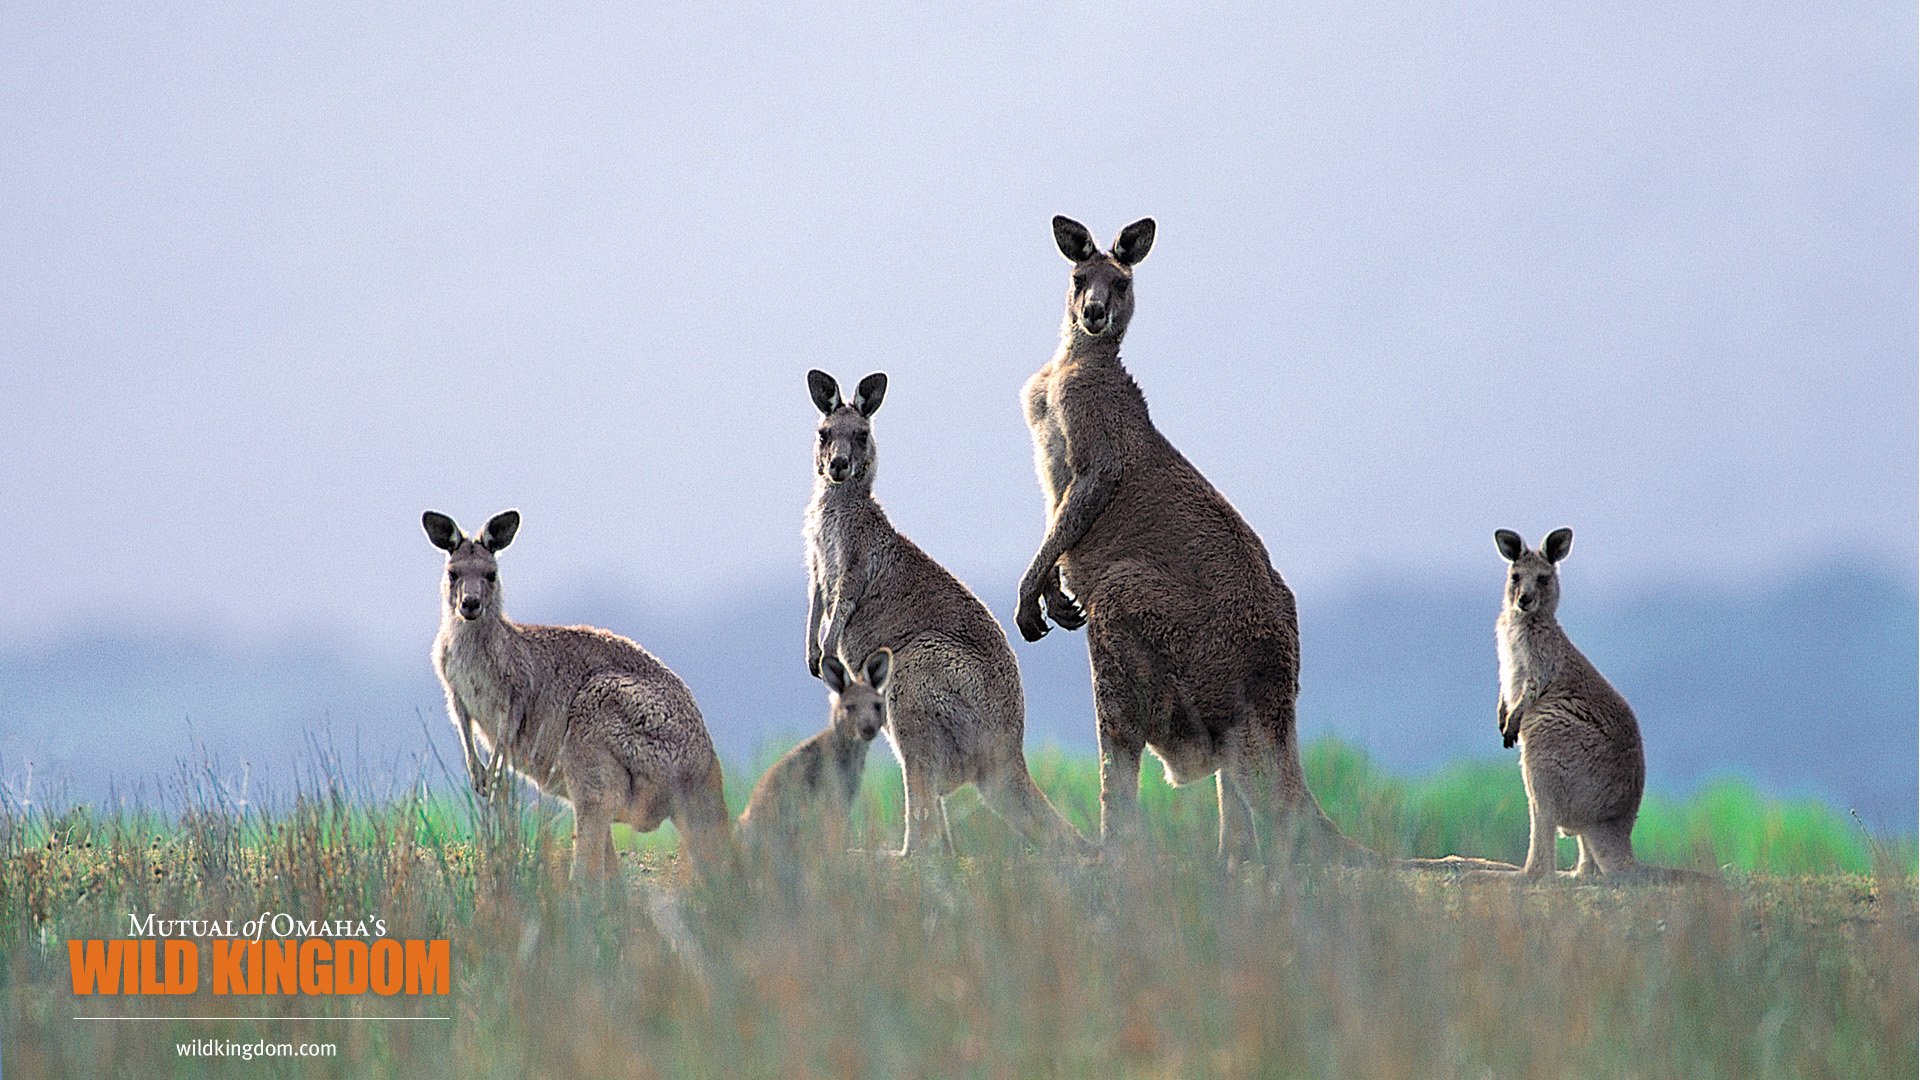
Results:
x,y
274,280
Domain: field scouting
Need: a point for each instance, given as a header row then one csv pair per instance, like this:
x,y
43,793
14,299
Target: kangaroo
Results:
x,y
814,784
583,714
1192,634
955,711
1580,753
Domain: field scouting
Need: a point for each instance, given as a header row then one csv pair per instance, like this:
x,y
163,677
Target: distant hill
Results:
x,y
1808,688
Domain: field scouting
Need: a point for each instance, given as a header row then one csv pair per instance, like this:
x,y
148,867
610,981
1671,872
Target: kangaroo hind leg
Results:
x,y
699,811
1012,794
1239,839
1610,846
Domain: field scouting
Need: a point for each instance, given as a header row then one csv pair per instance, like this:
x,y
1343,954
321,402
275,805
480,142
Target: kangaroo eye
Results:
x,y
1515,579
1121,285
1079,281
860,439
1543,579
493,575
453,575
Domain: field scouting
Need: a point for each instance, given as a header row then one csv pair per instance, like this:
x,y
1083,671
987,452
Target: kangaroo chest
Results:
x,y
834,546
1523,659
477,675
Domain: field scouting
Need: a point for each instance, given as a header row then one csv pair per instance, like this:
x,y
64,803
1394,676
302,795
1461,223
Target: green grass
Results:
x,y
1001,963
1468,808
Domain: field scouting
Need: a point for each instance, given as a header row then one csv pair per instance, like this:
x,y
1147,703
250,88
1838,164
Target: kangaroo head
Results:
x,y
471,587
845,449
857,701
1100,300
1533,577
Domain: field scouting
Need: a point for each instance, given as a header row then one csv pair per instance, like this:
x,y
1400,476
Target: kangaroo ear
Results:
x,y
1134,243
878,667
1510,545
871,392
1557,544
825,391
441,530
834,674
1076,243
500,529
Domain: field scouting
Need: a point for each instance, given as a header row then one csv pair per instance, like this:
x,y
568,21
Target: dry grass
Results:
x,y
999,964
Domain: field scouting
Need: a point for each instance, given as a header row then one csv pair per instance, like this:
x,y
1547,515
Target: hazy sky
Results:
x,y
274,281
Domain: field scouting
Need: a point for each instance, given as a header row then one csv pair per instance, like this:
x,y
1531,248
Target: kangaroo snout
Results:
x,y
469,606
839,467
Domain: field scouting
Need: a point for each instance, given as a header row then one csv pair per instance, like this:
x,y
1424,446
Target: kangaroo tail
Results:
x,y
1666,875
1458,864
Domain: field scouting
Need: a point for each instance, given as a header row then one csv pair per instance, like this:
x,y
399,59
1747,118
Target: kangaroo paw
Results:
x,y
1065,611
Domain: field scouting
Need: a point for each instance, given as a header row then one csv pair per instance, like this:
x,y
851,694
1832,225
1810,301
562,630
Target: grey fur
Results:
x,y
1192,634
955,712
812,788
583,714
1580,752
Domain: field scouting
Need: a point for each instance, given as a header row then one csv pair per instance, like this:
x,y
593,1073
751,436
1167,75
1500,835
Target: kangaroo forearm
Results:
x,y
467,746
516,720
1529,694
463,724
836,627
814,605
479,772
1086,498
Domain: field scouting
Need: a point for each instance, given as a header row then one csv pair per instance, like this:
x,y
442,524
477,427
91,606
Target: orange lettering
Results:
x,y
429,966
230,974
349,966
96,965
281,969
181,975
385,966
150,967
316,974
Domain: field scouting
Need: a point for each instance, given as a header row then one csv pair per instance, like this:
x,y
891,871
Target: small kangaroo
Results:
x,y
1192,634
955,711
1580,753
583,714
813,786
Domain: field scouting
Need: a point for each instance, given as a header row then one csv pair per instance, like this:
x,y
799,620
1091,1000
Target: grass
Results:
x,y
1468,808
1000,963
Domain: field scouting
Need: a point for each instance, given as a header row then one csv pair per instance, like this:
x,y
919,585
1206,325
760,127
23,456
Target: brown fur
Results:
x,y
1192,633
583,714
1580,751
811,789
955,711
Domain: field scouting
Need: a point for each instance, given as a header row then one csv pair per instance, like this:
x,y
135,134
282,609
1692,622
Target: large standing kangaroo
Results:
x,y
1192,634
955,711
